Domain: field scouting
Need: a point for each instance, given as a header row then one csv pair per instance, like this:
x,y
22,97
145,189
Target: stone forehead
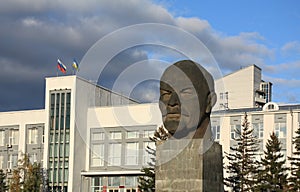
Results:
x,y
195,72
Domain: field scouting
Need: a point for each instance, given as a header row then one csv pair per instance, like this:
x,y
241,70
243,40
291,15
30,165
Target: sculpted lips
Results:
x,y
173,116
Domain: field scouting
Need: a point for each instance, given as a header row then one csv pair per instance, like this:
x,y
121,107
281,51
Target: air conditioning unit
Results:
x,y
8,170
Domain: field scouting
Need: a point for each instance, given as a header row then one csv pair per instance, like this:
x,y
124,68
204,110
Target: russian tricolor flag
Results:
x,y
61,66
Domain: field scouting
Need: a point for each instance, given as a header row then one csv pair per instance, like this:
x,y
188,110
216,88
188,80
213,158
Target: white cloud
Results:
x,y
291,47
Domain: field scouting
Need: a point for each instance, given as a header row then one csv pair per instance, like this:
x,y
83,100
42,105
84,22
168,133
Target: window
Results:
x,y
132,153
33,158
96,184
116,135
258,130
98,136
221,96
1,162
130,181
234,130
146,155
114,156
216,130
148,133
32,136
132,134
12,161
97,155
2,138
13,137
114,181
280,130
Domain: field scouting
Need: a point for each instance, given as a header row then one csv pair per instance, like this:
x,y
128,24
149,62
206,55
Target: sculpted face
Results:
x,y
183,99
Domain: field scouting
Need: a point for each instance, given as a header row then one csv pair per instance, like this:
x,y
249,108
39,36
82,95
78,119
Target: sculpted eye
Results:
x,y
164,92
187,91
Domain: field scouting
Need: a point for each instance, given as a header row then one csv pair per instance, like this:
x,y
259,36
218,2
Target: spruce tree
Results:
x,y
3,185
242,167
147,181
272,175
294,179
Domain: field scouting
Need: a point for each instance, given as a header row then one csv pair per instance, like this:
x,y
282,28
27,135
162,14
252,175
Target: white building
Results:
x,y
91,139
242,89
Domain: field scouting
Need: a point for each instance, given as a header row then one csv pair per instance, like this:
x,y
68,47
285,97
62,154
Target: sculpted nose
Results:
x,y
174,100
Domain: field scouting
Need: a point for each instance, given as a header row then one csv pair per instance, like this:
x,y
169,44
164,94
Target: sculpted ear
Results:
x,y
210,102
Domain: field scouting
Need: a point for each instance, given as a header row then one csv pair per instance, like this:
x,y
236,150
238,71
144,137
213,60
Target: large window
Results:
x,y
114,156
32,136
132,153
13,137
280,130
97,155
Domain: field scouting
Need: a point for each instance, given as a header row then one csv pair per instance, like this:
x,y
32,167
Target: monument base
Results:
x,y
185,165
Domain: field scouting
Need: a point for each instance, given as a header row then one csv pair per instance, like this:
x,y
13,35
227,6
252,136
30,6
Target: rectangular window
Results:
x,y
258,130
32,136
235,130
221,96
98,136
216,130
2,138
114,181
148,133
96,184
116,135
132,152
147,152
12,161
132,134
130,181
280,130
97,155
114,156
1,162
33,158
13,137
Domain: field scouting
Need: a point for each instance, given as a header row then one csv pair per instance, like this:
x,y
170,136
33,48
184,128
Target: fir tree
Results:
x,y
3,185
294,179
147,181
242,167
272,175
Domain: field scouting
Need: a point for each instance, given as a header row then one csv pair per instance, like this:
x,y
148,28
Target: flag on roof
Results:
x,y
61,66
75,64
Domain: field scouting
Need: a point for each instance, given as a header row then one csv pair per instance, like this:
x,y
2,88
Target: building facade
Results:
x,y
92,139
242,89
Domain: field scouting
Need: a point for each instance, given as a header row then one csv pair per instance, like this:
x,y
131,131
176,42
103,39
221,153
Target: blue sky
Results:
x,y
34,34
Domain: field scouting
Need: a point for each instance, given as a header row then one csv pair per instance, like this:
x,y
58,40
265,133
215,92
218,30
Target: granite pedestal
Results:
x,y
188,165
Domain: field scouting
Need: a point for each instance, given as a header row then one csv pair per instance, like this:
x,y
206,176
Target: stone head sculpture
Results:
x,y
186,99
